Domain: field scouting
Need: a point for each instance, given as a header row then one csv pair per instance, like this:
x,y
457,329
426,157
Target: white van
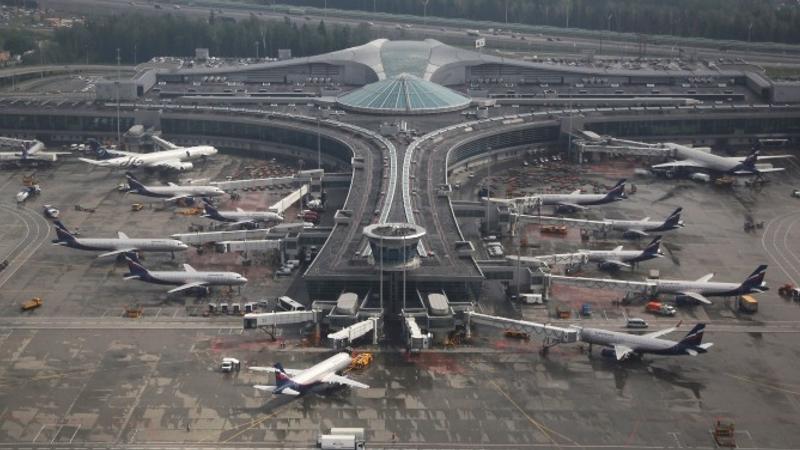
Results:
x,y
287,304
635,322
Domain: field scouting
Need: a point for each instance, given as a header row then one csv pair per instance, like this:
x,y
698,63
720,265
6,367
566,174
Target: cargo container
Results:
x,y
748,304
347,303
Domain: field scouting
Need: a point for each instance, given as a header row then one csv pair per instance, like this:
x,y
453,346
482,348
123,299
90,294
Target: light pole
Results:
x,y
506,12
750,32
425,12
319,147
119,139
256,49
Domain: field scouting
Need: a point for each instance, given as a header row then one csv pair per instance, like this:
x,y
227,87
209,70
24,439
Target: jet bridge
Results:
x,y
293,197
220,236
550,335
640,287
556,259
274,319
311,177
347,335
597,225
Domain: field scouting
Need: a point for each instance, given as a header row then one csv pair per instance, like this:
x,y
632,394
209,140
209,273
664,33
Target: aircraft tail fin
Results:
x,y
674,218
133,183
654,247
281,378
756,279
63,235
618,191
695,337
137,270
210,210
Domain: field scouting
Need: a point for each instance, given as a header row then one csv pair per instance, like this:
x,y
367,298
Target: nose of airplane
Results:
x,y
242,279
183,246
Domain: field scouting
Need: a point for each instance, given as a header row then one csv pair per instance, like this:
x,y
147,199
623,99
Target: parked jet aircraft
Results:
x,y
703,159
702,288
296,382
173,158
624,345
117,246
634,229
28,151
241,217
172,192
572,201
189,278
618,257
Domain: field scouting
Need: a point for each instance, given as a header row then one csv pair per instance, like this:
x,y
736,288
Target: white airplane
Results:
x,y
117,246
296,382
173,158
241,217
619,257
703,159
28,151
624,345
189,278
640,228
703,287
172,192
573,201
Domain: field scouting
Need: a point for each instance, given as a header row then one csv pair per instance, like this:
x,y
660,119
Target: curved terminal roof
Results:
x,y
404,94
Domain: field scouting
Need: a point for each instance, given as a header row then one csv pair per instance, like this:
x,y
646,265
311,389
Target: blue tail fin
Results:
x,y
136,269
211,211
134,184
63,236
755,280
654,247
61,225
618,191
695,337
674,218
97,149
281,378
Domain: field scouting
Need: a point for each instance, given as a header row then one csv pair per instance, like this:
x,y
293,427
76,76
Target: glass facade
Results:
x,y
404,94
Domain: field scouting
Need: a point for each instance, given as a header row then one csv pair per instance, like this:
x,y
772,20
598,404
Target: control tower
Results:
x,y
394,245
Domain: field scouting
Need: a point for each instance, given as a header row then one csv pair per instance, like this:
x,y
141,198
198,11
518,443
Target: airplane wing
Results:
x,y
186,286
177,197
344,381
697,296
679,164
240,223
289,372
265,388
622,352
164,143
759,170
705,278
659,333
117,252
289,391
571,205
617,263
637,232
768,157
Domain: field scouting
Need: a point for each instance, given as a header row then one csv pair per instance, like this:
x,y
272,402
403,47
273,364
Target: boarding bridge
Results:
x,y
557,259
519,203
347,335
258,245
550,335
275,319
312,177
628,150
220,236
293,197
598,225
416,340
639,287
21,144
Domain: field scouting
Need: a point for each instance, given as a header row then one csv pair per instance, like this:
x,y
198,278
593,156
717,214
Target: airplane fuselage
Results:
x,y
150,159
177,191
637,343
706,288
315,374
240,216
642,225
109,244
577,199
186,277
